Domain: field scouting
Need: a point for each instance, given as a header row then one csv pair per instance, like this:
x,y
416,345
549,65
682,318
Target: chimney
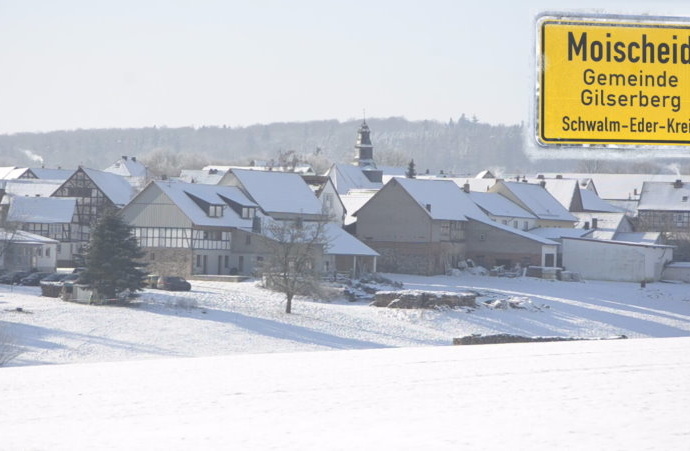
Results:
x,y
466,187
559,176
428,207
586,225
542,183
594,223
678,183
133,158
540,176
124,157
517,178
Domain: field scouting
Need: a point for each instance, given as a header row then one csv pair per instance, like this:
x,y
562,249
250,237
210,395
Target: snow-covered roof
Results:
x,y
539,201
592,202
485,174
496,205
182,194
22,237
476,185
514,231
341,242
42,210
52,174
262,165
607,224
621,186
354,200
205,176
4,170
114,186
639,237
128,167
442,199
556,233
11,172
30,187
669,196
347,177
279,192
565,191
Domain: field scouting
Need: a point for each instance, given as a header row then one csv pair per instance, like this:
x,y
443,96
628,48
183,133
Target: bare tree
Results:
x,y
294,249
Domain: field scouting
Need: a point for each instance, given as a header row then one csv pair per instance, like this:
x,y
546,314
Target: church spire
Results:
x,y
364,150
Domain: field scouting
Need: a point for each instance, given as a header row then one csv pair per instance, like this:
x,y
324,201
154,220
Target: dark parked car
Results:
x,y
12,278
34,278
173,283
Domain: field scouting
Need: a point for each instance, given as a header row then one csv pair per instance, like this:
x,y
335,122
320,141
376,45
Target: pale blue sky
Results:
x,y
70,64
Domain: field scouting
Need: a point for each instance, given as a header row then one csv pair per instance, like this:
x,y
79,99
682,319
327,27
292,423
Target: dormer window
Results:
x,y
215,211
248,212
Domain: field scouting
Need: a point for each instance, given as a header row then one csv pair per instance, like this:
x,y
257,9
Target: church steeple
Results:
x,y
364,150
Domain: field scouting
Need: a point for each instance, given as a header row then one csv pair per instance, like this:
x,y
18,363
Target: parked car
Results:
x,y
34,278
52,285
173,283
13,278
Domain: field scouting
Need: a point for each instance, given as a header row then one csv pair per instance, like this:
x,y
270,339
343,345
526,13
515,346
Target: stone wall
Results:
x,y
168,262
423,299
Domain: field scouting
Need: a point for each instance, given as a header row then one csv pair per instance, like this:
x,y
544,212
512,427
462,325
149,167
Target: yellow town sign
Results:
x,y
613,81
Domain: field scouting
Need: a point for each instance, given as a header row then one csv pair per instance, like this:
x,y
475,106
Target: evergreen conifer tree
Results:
x,y
111,258
411,171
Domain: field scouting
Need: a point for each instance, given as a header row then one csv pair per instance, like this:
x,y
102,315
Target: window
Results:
x,y
47,252
198,261
215,211
515,224
240,263
227,261
526,226
248,239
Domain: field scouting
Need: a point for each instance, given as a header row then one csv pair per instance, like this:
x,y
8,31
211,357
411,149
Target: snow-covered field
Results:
x,y
425,394
219,318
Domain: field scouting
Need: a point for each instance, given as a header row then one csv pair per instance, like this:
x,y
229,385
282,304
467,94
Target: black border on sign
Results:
x,y
544,140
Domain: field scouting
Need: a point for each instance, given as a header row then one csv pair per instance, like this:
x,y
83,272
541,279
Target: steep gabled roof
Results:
x,y
665,196
497,205
278,192
182,195
353,201
592,202
347,177
114,186
51,174
128,167
565,191
341,242
537,200
442,199
42,210
30,187
11,172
